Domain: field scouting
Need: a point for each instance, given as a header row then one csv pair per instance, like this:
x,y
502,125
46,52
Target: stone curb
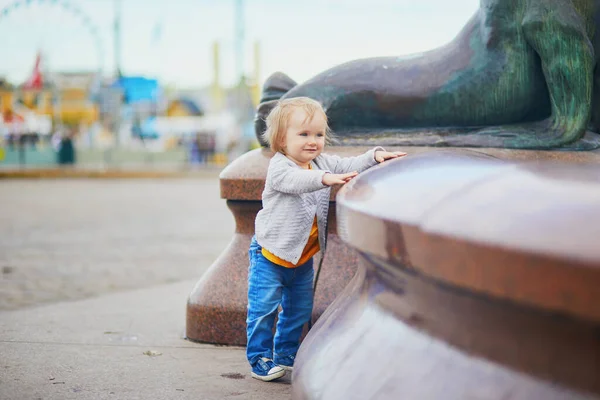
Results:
x,y
81,173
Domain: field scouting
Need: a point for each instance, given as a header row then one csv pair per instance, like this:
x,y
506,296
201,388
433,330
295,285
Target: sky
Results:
x,y
172,39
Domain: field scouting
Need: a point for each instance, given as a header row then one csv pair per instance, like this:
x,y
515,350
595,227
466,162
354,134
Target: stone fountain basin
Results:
x,y
478,278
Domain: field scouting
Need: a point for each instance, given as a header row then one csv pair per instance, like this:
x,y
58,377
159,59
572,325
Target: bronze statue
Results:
x,y
521,74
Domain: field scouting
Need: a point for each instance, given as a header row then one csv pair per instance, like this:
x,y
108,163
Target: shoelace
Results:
x,y
263,364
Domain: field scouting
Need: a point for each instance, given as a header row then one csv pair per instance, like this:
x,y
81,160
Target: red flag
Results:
x,y
35,81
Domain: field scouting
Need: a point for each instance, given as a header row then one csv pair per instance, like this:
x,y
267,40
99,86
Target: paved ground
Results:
x,y
121,346
95,276
72,239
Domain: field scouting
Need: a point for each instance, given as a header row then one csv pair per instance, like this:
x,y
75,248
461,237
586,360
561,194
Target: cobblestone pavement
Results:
x,y
72,239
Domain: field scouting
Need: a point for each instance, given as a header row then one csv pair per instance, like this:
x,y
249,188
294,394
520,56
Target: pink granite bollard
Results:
x,y
216,308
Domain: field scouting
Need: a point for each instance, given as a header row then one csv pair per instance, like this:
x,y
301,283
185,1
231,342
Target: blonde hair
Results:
x,y
278,119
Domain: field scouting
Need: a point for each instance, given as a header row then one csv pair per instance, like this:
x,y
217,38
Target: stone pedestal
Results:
x,y
478,279
216,309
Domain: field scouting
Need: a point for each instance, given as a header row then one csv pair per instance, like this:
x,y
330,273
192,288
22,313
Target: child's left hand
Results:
x,y
381,156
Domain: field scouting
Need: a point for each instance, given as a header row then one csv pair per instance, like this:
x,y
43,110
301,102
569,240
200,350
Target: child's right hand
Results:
x,y
334,179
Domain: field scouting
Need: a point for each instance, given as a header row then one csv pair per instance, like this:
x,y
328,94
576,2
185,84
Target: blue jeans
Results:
x,y
269,286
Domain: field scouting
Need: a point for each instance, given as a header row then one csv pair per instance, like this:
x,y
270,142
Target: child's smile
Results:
x,y
305,137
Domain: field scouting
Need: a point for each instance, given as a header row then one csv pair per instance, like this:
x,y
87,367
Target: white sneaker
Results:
x,y
266,370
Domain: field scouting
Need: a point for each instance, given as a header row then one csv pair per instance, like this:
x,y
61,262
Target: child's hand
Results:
x,y
381,156
333,179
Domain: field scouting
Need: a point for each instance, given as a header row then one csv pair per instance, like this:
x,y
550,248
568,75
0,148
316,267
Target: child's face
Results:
x,y
304,139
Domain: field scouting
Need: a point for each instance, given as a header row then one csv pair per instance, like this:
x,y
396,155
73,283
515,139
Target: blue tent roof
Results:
x,y
138,88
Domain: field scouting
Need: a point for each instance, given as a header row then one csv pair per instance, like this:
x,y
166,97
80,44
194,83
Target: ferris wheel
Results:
x,y
66,7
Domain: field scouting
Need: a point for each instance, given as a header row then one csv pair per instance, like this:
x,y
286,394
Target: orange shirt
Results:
x,y
312,247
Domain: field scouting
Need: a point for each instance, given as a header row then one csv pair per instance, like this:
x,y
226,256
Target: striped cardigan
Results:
x,y
293,196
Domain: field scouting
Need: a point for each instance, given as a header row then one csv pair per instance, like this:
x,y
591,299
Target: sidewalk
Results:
x,y
94,349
